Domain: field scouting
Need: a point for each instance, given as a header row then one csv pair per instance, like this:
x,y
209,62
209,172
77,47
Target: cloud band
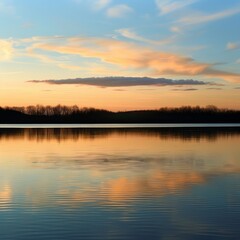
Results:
x,y
123,82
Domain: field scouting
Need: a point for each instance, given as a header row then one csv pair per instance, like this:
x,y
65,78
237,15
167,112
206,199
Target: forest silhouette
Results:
x,y
75,115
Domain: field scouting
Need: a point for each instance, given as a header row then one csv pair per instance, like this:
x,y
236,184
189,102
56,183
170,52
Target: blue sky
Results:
x,y
71,39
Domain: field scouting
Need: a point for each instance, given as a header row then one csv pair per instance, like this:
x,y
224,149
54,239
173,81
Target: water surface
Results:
x,y
121,183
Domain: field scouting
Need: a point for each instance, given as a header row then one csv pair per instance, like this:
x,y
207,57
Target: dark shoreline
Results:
x,y
73,115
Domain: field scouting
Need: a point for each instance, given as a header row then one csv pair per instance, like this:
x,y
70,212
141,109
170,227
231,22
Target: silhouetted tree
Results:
x,y
74,114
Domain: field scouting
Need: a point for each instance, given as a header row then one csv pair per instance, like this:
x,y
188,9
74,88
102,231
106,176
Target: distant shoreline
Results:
x,y
73,115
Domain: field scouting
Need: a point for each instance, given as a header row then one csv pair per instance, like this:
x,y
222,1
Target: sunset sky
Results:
x,y
120,54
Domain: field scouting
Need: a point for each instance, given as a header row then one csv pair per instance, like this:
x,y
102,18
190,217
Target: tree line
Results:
x,y
74,114
58,110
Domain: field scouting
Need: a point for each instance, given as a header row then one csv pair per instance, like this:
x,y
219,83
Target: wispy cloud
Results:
x,y
95,4
138,58
119,11
185,89
6,49
100,4
113,56
205,18
233,45
47,59
169,6
214,88
130,34
123,82
176,29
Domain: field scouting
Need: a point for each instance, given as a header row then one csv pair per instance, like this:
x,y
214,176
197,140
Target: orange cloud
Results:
x,y
130,56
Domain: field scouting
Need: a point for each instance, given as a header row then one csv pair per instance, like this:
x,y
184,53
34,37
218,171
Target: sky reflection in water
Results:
x,y
119,183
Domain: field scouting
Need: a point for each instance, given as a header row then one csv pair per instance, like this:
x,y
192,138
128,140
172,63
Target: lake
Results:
x,y
116,182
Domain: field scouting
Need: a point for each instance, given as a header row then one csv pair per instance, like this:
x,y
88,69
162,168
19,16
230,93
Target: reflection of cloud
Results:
x,y
5,196
76,197
122,82
107,177
155,184
122,189
156,180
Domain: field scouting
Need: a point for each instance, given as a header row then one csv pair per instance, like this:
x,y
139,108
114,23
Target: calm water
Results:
x,y
134,183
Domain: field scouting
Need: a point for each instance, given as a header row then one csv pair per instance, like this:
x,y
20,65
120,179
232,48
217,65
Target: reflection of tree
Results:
x,y
62,134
